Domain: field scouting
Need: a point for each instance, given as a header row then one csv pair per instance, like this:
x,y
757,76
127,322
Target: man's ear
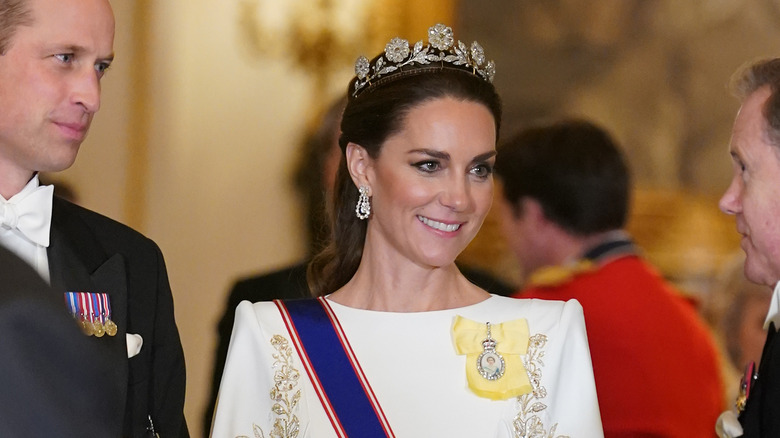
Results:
x,y
359,164
533,211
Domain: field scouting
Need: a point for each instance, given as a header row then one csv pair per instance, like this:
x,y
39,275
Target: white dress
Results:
x,y
410,361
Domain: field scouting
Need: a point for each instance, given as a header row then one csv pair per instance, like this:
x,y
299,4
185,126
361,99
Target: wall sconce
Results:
x,y
318,36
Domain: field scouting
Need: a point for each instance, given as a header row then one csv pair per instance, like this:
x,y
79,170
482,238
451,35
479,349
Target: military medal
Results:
x,y
104,316
110,327
92,311
99,330
85,325
745,386
490,364
98,304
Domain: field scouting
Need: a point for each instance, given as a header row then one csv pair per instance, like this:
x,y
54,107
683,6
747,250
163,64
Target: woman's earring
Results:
x,y
363,208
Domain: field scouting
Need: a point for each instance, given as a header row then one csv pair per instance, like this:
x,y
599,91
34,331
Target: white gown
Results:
x,y
419,380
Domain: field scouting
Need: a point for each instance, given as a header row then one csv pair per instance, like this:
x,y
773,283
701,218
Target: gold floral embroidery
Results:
x,y
285,394
527,423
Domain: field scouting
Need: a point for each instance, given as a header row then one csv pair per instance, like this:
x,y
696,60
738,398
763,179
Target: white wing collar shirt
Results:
x,y
25,221
774,309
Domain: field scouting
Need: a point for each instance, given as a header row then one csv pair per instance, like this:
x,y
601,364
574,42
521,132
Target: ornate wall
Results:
x,y
655,73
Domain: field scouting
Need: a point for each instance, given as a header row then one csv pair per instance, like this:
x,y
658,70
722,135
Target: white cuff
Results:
x,y
728,425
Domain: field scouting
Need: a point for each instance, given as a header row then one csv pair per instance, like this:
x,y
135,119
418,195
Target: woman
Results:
x,y
399,342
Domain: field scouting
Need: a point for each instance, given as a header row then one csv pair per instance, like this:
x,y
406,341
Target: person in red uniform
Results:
x,y
565,201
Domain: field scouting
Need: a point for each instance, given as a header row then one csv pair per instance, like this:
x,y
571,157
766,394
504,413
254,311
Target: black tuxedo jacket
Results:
x,y
92,253
761,417
52,378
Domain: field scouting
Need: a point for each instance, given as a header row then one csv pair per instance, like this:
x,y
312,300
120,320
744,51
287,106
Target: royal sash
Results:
x,y
333,369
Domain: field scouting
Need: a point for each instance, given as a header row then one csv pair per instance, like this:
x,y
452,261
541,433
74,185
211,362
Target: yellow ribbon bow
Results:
x,y
511,341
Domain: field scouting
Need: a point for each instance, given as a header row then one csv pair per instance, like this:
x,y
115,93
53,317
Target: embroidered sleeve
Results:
x,y
527,422
285,394
261,392
563,399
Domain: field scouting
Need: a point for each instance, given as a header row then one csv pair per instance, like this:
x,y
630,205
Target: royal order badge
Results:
x,y
490,364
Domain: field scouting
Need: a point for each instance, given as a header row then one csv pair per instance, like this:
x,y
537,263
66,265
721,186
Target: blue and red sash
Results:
x,y
333,369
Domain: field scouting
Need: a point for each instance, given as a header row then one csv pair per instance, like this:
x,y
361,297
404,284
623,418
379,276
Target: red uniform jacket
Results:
x,y
654,360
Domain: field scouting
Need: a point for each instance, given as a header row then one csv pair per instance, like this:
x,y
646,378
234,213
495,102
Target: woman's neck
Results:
x,y
407,287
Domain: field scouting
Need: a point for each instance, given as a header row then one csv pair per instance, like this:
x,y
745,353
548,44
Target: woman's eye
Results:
x,y
482,170
427,166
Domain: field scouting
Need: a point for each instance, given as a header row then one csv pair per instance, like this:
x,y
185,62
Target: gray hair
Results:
x,y
751,78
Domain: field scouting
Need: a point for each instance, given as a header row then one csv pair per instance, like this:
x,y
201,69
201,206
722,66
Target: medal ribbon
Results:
x,y
86,308
511,342
333,369
94,303
91,310
72,301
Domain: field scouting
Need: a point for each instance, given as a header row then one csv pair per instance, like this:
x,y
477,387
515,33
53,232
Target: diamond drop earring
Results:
x,y
363,208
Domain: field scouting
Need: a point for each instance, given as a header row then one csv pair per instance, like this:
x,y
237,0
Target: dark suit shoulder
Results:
x,y
760,417
87,246
66,212
289,282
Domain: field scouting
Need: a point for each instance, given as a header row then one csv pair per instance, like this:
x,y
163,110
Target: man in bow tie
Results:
x,y
53,55
754,199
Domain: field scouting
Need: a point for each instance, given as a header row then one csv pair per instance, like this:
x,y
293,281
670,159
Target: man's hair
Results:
x,y
751,78
573,169
13,13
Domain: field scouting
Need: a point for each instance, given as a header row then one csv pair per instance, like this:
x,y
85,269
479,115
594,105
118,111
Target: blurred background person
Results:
x,y
316,170
565,197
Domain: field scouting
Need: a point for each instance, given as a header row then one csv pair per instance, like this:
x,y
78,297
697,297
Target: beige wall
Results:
x,y
222,141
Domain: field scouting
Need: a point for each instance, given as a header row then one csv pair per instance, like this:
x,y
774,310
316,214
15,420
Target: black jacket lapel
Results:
x,y
78,263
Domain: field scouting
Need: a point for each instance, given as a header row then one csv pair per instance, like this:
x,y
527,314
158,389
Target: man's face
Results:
x,y
520,227
754,194
50,85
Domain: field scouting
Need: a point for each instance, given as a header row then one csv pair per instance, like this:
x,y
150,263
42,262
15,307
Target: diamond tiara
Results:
x,y
442,49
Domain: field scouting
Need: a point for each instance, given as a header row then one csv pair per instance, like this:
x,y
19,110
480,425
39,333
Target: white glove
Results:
x,y
728,425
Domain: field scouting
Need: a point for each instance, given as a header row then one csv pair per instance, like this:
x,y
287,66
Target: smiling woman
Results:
x,y
394,316
430,188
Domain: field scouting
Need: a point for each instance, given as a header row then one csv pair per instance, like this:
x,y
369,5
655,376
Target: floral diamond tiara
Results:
x,y
442,49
